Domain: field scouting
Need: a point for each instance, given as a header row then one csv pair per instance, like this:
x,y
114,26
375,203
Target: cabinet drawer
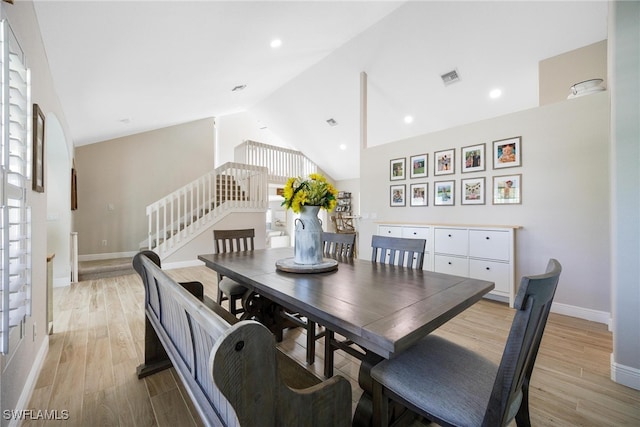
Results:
x,y
489,244
497,272
390,230
415,232
451,265
451,241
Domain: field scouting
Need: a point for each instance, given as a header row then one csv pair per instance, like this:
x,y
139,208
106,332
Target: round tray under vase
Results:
x,y
289,266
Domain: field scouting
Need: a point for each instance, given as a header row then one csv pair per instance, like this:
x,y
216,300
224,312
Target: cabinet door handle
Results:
x,y
449,262
487,268
449,235
487,237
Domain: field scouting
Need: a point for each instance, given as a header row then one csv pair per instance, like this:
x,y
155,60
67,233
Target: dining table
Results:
x,y
382,308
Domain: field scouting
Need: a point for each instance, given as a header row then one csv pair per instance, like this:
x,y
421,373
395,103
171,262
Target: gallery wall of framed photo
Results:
x,y
470,175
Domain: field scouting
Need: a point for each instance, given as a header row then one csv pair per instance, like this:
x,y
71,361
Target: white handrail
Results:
x,y
281,162
177,217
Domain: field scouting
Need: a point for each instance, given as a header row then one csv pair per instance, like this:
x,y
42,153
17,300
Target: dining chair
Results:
x,y
455,386
226,241
385,250
338,244
398,251
334,245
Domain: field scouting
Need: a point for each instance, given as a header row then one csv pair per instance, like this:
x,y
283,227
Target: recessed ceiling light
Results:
x,y
343,146
238,88
275,43
408,119
495,93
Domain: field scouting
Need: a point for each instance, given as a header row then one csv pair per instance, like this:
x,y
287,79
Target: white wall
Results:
x,y
565,202
58,200
625,181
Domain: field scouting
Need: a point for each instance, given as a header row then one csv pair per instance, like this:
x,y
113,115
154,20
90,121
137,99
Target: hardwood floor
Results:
x,y
90,370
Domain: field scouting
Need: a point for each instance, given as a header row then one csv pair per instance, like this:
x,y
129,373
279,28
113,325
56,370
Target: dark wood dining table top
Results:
x,y
383,308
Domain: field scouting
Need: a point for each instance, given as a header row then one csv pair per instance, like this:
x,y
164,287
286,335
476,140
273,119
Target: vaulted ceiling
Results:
x,y
124,67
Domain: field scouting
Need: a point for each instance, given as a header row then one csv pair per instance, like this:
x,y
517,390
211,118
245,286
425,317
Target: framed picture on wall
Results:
x,y
473,159
397,169
507,189
38,149
418,166
443,193
419,194
397,195
444,162
507,153
472,191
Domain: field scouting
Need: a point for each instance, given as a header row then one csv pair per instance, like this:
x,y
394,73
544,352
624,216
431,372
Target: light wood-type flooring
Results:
x,y
90,369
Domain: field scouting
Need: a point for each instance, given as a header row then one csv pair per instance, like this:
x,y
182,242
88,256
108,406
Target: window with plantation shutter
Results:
x,y
15,215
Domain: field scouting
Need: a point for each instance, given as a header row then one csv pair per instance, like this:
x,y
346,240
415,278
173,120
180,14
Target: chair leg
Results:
x,y
328,353
311,342
522,417
221,297
380,406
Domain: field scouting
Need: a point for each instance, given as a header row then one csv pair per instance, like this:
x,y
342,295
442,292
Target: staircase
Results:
x,y
182,215
239,186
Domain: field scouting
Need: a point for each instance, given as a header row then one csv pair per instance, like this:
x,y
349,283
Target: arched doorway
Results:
x,y
58,190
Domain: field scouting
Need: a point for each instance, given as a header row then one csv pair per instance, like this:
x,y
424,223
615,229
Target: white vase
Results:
x,y
308,237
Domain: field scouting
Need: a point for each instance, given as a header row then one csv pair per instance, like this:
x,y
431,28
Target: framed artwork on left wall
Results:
x,y
38,149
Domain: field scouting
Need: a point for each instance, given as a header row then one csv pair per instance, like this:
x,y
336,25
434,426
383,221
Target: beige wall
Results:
x,y
565,201
557,74
20,368
118,178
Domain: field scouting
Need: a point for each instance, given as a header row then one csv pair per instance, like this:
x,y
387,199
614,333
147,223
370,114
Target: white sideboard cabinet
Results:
x,y
481,252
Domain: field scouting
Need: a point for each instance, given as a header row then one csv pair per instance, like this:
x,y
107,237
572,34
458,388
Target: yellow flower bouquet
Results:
x,y
314,191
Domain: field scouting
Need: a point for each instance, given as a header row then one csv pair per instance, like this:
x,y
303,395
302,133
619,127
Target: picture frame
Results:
x,y
472,158
444,162
507,153
419,166
397,195
472,191
397,169
419,194
507,189
38,150
444,193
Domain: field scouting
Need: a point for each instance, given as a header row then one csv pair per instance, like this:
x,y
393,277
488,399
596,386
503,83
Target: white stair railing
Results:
x,y
281,162
180,216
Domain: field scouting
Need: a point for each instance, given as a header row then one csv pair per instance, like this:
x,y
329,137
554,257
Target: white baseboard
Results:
x,y
112,255
32,379
582,313
625,375
182,264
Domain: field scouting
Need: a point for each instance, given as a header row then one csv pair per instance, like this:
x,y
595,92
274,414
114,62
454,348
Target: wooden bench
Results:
x,y
233,373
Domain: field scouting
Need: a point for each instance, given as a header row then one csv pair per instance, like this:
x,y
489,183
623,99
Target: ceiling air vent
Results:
x,y
450,77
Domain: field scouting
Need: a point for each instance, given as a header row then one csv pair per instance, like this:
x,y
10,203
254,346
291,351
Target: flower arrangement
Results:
x,y
314,191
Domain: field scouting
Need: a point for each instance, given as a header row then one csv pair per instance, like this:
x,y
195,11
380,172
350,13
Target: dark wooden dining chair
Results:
x,y
385,250
455,386
398,251
334,245
232,241
338,244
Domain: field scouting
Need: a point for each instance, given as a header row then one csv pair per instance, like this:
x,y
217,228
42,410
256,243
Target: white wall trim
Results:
x,y
112,255
32,378
625,375
582,313
182,264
